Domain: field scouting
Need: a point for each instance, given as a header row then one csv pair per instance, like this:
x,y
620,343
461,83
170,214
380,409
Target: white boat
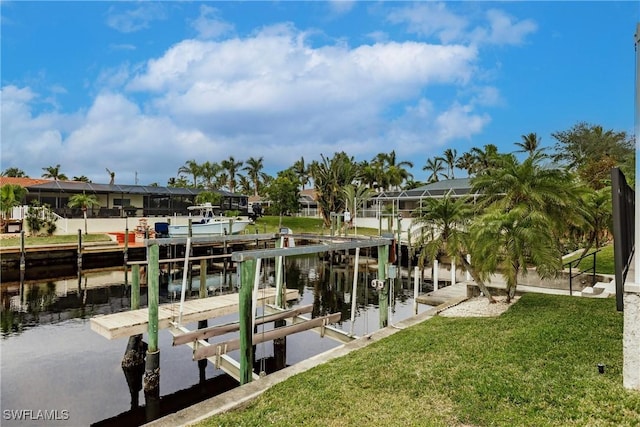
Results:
x,y
209,224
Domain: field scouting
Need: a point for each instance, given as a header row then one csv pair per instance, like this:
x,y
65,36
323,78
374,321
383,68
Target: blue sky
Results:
x,y
141,87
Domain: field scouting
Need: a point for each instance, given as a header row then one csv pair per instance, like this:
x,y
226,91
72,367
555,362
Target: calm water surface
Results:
x,y
52,361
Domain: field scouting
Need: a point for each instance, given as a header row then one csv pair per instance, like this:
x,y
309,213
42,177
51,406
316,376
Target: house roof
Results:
x,y
454,187
89,187
22,182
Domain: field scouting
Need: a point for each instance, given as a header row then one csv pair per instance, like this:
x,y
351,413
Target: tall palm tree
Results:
x,y
530,144
355,197
435,167
85,202
231,166
465,162
396,172
254,168
443,225
485,159
14,172
191,167
450,158
245,186
330,176
54,173
301,171
369,173
209,172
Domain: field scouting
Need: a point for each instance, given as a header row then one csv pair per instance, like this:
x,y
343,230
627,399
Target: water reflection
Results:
x,y
52,360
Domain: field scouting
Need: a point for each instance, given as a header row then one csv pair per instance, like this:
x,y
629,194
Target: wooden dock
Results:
x,y
442,295
128,323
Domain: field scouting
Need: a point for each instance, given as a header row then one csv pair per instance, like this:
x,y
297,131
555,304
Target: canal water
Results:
x,y
56,371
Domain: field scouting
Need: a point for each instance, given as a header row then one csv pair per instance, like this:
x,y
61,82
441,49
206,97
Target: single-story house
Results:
x,y
118,200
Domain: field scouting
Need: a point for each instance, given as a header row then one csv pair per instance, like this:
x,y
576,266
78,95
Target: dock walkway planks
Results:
x,y
127,323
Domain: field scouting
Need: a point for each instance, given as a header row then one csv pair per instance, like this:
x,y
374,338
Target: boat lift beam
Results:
x,y
217,330
331,245
249,266
203,240
203,352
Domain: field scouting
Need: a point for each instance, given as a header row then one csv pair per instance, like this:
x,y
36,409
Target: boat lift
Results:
x,y
249,267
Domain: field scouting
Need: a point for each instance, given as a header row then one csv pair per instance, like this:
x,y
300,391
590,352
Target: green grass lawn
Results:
x,y
52,240
604,261
533,366
301,225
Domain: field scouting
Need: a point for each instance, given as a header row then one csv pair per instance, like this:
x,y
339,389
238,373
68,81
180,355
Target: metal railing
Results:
x,y
576,263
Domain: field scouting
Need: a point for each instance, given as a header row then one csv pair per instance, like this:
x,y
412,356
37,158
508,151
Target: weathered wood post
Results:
x,y
79,248
202,364
135,286
125,254
247,273
133,360
383,294
23,262
203,278
152,367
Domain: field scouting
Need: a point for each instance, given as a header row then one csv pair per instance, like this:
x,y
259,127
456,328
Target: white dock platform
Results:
x,y
127,323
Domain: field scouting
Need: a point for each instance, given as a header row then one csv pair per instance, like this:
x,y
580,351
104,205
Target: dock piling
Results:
x,y
383,294
152,366
79,248
247,273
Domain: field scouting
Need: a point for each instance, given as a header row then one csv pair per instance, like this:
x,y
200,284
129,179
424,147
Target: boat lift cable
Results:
x,y
185,272
354,291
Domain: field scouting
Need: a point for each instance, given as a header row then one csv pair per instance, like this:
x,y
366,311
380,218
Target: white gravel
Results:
x,y
479,307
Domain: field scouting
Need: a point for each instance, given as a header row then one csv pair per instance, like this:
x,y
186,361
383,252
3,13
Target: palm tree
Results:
x,y
301,171
435,167
529,203
14,173
450,158
192,168
245,186
112,176
330,176
550,190
396,172
530,144
54,173
443,223
254,168
231,166
484,160
355,196
81,178
465,162
209,171
510,241
84,201
369,174
11,195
